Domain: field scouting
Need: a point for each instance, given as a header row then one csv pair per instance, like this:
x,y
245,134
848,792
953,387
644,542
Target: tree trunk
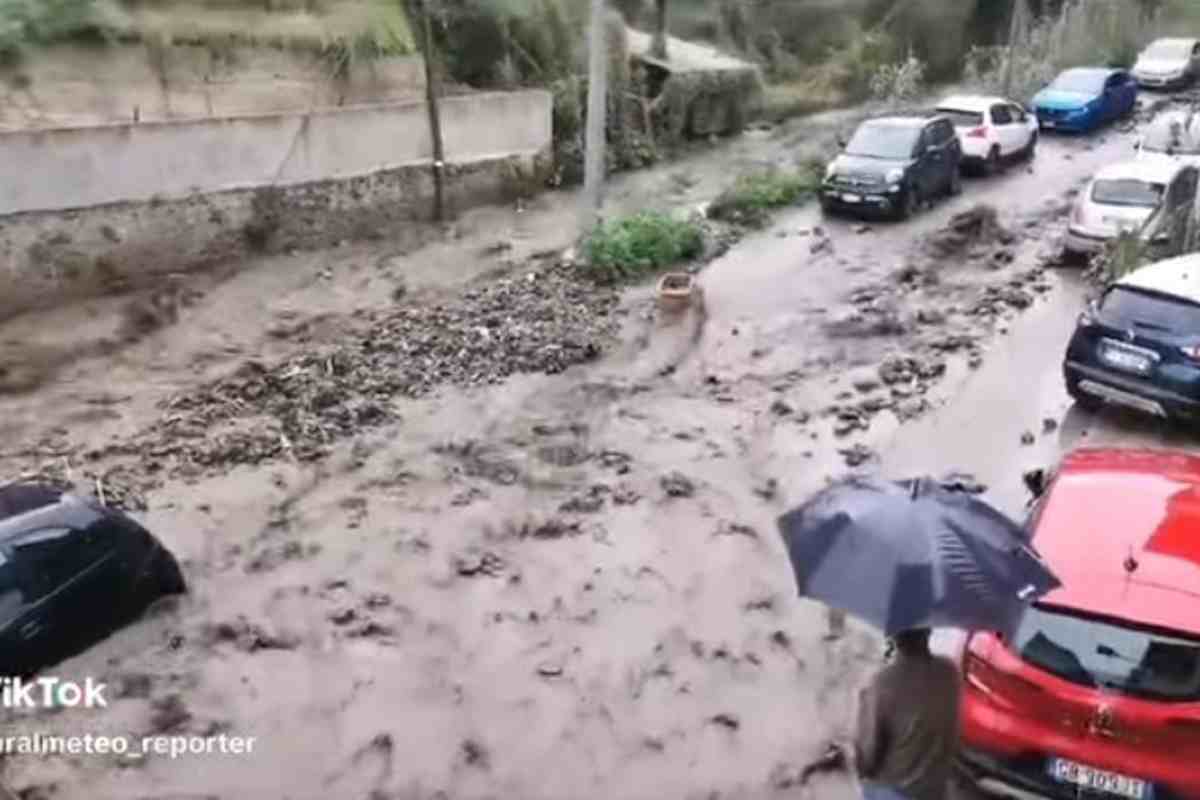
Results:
x,y
658,47
435,117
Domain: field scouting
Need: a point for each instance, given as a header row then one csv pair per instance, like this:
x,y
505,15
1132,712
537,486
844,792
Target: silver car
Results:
x,y
1168,63
1124,196
1172,134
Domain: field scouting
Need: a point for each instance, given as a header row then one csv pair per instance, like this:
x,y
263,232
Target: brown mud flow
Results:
x,y
442,533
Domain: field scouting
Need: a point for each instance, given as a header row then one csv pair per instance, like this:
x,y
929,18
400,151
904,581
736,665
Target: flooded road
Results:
x,y
562,585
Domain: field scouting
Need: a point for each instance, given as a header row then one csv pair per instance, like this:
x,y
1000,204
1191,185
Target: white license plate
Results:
x,y
851,198
1065,771
1048,124
1130,361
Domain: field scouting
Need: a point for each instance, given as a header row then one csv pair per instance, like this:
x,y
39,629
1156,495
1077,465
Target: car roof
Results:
x,y
1106,506
901,121
1178,277
1173,40
1097,71
67,511
1151,170
966,102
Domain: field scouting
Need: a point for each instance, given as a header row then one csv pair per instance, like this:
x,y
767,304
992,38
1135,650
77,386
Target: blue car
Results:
x,y
1083,99
1139,345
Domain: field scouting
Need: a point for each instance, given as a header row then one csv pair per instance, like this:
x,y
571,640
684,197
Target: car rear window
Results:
x,y
1127,192
1124,307
963,119
1105,655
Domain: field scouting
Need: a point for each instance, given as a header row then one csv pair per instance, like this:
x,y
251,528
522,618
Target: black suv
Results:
x,y
892,164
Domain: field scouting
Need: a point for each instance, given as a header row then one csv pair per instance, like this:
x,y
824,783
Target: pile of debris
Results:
x,y
969,231
537,322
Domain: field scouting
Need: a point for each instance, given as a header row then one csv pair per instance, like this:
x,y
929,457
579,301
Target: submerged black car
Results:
x,y
71,571
1139,345
893,164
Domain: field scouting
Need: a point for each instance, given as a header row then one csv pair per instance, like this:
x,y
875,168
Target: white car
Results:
x,y
992,130
1123,196
1168,63
1172,134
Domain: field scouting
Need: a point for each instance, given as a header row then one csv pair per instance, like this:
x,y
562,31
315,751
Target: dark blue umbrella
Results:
x,y
913,554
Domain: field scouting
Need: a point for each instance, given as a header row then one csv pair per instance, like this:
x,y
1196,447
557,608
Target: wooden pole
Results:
x,y
597,116
435,119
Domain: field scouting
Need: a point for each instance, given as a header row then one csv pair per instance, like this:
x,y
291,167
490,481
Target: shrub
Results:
x,y
899,83
629,247
752,197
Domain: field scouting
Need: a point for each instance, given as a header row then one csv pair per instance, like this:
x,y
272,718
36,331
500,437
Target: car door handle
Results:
x,y
30,630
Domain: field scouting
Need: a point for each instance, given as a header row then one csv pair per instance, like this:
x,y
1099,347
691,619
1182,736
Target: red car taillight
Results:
x,y
998,685
978,133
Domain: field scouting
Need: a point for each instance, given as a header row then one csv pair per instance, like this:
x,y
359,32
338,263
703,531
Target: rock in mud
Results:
x,y
963,482
726,720
479,563
676,484
780,408
857,455
1049,425
969,229
247,636
588,503
169,714
768,490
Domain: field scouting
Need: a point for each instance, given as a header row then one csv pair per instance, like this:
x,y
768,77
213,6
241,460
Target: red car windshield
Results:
x,y
1111,657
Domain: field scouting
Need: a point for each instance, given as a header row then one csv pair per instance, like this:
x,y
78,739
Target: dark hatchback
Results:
x,y
71,571
1139,345
893,164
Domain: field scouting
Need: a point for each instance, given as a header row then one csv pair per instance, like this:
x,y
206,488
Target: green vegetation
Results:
x,y
753,197
347,31
630,247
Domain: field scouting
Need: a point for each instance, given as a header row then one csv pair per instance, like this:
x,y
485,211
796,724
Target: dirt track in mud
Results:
x,y
418,573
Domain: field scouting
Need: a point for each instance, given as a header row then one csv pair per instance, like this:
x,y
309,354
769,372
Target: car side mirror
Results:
x,y
1161,238
1137,145
1035,482
841,142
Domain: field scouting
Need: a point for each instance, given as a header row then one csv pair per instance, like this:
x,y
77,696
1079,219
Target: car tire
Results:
x,y
908,205
1031,148
991,164
1082,399
955,188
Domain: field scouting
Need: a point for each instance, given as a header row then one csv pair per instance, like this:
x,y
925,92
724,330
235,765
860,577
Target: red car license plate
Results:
x,y
1099,780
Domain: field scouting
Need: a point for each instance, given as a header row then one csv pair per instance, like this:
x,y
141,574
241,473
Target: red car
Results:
x,y
1098,693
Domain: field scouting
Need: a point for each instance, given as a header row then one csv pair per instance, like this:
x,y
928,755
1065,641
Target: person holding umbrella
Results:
x,y
907,557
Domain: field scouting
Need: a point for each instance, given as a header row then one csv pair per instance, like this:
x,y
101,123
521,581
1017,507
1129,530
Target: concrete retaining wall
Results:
x,y
98,209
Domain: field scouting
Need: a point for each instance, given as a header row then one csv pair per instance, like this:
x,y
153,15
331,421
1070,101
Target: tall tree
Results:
x,y
658,48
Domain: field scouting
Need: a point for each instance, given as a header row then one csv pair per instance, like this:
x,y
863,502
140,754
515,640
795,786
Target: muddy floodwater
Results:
x,y
457,525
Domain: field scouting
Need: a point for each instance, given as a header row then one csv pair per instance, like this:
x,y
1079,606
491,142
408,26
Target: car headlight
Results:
x,y
831,172
894,176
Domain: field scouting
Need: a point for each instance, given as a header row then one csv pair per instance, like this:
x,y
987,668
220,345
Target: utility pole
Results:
x,y
597,117
1013,28
435,119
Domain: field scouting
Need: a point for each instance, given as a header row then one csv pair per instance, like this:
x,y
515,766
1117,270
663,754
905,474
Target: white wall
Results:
x,y
69,168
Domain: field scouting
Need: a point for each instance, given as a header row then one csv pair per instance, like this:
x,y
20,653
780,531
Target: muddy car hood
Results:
x,y
846,164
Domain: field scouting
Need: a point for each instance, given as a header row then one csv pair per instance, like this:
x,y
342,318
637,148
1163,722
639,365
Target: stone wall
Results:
x,y
108,208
